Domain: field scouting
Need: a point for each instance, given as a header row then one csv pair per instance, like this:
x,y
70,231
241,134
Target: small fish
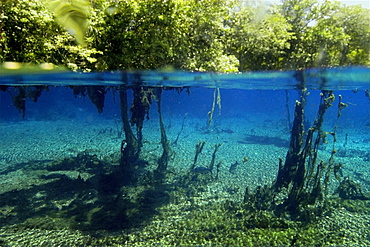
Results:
x,y
228,131
233,167
202,170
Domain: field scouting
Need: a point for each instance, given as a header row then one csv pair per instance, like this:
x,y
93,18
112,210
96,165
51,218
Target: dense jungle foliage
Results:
x,y
196,35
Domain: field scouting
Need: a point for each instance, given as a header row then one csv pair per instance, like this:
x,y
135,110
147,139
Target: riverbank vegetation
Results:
x,y
208,35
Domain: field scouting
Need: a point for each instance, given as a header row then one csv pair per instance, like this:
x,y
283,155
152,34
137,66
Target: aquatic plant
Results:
x,y
97,96
211,165
24,92
216,101
167,152
301,186
130,152
348,189
198,149
180,131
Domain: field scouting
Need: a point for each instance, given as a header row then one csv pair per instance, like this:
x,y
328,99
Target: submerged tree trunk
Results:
x,y
130,146
163,160
293,161
302,181
300,173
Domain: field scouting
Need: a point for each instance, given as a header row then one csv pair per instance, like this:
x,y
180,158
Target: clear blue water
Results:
x,y
340,78
257,110
263,92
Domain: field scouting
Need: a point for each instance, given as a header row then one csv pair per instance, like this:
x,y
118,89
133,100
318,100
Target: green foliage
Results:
x,y
233,226
31,35
207,35
25,26
355,22
136,35
326,34
154,34
258,38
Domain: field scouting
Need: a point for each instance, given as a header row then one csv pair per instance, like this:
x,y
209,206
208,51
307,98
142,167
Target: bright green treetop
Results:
x,y
200,35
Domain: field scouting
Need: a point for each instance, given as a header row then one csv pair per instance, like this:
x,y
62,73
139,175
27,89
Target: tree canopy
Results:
x,y
195,35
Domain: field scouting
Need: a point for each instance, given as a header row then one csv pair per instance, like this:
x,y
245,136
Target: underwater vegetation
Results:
x,y
122,199
135,198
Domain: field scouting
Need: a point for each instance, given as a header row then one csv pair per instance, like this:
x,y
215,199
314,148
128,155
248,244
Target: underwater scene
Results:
x,y
184,123
248,159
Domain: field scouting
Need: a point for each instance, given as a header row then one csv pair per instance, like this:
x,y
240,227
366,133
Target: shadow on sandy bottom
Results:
x,y
265,140
97,203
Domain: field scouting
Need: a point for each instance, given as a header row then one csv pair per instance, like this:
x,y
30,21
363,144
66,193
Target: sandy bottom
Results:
x,y
256,143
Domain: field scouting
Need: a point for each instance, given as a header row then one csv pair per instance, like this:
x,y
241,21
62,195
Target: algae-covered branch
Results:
x,y
302,184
